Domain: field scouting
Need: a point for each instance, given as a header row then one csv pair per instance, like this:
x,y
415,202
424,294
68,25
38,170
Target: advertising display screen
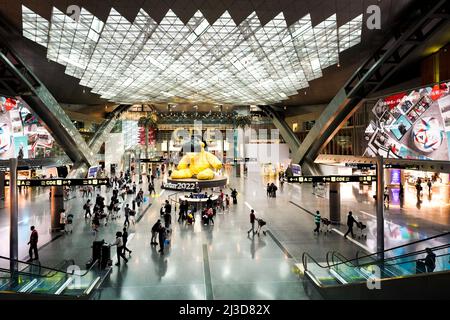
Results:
x,y
414,125
22,135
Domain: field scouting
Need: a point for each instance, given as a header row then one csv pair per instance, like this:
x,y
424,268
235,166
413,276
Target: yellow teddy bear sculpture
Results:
x,y
199,164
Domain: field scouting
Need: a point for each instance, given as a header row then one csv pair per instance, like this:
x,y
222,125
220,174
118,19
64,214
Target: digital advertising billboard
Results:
x,y
411,125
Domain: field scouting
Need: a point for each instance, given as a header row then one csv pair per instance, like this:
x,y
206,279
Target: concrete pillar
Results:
x,y
56,205
380,207
335,203
2,189
14,217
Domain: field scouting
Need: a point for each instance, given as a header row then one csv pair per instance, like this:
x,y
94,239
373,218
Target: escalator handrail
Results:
x,y
411,261
406,255
398,247
306,255
375,262
48,268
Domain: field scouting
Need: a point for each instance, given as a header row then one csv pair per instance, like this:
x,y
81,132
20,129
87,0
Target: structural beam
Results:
x,y
277,117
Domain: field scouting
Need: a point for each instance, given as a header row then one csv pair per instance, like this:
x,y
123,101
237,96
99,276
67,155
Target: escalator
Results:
x,y
33,281
396,276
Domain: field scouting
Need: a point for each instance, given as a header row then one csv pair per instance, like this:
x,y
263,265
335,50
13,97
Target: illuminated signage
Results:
x,y
332,179
59,182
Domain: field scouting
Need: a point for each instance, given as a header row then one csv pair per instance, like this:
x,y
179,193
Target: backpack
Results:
x,y
85,207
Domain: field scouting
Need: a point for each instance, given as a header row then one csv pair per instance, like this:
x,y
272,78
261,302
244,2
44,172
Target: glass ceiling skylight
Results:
x,y
223,63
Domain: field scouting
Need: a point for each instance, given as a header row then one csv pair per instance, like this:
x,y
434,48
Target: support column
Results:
x,y
335,203
2,189
56,205
380,207
13,217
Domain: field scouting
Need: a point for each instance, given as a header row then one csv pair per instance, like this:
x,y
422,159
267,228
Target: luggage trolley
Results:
x,y
362,230
326,226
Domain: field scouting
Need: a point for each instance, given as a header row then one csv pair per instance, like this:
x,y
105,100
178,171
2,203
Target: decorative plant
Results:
x,y
242,121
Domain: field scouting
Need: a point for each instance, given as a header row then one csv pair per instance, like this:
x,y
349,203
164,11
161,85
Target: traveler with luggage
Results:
x,y
252,222
155,229
120,252
350,222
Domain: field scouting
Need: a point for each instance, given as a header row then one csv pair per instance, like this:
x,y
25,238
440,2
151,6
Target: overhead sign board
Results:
x,y
332,179
59,182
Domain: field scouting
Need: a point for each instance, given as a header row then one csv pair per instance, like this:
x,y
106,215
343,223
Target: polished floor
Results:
x,y
221,261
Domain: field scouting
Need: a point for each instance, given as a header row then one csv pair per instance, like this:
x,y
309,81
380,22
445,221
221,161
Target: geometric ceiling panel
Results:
x,y
223,63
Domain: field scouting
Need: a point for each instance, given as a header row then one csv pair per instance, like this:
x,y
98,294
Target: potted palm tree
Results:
x,y
148,122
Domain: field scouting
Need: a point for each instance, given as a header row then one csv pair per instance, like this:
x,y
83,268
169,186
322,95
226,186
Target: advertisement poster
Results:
x,y
21,132
21,147
414,125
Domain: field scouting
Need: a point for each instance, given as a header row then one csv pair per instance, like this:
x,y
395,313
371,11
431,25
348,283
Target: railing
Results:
x,y
52,272
307,256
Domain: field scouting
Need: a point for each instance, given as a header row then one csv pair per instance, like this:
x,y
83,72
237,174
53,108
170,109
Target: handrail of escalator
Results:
x,y
47,268
391,249
305,257
412,261
406,255
344,260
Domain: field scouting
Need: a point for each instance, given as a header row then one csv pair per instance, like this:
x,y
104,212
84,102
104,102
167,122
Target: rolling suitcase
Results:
x,y
97,250
105,260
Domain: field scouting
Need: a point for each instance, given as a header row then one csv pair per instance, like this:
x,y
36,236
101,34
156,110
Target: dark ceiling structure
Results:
x,y
67,90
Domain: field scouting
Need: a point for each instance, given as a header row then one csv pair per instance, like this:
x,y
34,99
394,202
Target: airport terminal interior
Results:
x,y
224,150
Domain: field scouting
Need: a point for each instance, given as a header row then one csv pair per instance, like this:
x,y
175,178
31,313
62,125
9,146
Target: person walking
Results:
x,y
62,220
350,222
125,240
167,220
386,195
162,238
430,185
167,207
234,196
209,203
210,213
155,229
127,215
120,252
227,203
317,220
87,209
252,222
151,188
34,238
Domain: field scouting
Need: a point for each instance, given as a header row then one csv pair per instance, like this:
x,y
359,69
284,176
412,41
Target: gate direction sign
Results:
x,y
59,182
331,179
